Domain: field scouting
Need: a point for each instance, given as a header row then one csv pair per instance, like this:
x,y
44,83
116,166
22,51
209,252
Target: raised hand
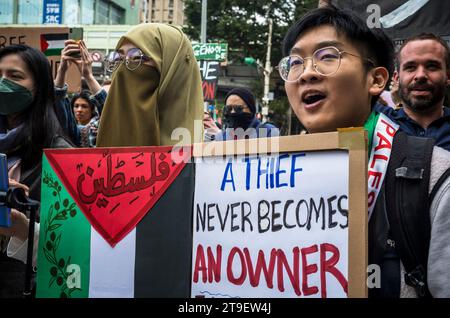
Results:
x,y
70,54
84,63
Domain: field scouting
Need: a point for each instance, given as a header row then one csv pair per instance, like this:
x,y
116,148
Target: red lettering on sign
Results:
x,y
307,270
255,275
294,275
244,267
240,280
209,90
371,198
384,142
389,129
377,178
214,264
377,157
200,264
328,265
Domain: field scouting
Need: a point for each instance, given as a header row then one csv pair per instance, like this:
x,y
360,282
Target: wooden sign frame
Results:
x,y
353,140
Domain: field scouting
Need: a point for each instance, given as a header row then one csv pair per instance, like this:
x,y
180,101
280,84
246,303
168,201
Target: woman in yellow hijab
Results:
x,y
156,87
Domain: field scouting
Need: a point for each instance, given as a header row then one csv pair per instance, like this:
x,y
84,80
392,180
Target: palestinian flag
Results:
x,y
115,222
53,44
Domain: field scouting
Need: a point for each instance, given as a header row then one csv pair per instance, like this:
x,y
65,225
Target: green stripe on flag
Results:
x,y
53,52
370,125
64,242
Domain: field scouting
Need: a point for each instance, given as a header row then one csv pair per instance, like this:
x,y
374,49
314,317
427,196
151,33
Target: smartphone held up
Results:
x,y
75,34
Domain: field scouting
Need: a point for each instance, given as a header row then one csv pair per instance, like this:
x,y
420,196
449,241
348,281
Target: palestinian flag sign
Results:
x,y
53,44
115,222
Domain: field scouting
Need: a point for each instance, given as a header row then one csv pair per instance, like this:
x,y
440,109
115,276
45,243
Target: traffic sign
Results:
x,y
97,56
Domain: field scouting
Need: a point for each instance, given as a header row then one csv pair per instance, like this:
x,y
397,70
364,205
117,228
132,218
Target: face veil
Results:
x,y
144,106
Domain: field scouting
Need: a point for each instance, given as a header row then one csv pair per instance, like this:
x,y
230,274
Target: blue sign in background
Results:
x,y
5,219
52,13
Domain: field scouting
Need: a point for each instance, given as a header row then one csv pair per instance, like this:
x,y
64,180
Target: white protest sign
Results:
x,y
271,225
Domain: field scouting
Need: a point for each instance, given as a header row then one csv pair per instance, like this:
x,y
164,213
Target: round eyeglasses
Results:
x,y
133,59
326,61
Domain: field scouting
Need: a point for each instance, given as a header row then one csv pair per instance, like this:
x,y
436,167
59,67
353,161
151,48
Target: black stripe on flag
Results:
x,y
56,36
164,242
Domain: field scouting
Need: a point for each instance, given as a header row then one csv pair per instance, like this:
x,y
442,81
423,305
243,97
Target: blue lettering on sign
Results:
x,y
267,172
294,169
279,171
225,180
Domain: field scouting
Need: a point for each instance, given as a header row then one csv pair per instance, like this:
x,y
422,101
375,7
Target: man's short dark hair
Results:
x,y
422,37
373,44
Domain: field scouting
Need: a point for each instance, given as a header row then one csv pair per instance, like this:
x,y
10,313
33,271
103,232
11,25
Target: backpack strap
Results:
x,y
408,205
439,183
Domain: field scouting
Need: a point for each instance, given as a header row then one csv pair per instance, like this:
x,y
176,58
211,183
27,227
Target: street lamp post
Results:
x,y
203,22
203,34
146,11
267,71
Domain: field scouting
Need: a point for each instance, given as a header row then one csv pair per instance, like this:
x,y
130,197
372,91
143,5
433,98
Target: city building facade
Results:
x,y
103,21
71,12
162,11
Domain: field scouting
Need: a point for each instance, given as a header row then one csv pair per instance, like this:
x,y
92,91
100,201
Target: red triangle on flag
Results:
x,y
116,187
44,43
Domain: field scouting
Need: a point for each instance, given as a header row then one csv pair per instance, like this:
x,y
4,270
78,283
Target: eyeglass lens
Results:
x,y
326,61
132,61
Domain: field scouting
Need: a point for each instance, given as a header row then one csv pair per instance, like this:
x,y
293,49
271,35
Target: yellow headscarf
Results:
x,y
144,106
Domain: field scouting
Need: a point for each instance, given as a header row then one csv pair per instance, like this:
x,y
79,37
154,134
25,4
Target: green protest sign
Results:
x,y
210,51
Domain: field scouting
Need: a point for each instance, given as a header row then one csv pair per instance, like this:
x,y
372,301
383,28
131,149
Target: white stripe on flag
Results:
x,y
112,269
57,44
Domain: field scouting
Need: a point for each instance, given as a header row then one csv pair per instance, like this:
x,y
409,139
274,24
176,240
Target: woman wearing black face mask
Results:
x,y
239,119
28,124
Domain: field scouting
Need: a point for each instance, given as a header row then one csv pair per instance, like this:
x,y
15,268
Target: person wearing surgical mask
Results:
x,y
28,124
239,120
155,89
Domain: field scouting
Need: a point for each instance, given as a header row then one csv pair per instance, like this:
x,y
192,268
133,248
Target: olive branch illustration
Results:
x,y
57,214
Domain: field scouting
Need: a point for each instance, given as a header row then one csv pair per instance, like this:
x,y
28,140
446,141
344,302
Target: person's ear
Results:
x,y
448,77
378,78
395,76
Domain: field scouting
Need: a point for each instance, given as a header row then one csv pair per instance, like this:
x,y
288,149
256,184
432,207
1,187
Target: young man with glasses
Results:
x,y
335,68
239,120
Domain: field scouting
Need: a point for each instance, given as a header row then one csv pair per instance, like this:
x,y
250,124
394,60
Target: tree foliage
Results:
x,y
243,24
